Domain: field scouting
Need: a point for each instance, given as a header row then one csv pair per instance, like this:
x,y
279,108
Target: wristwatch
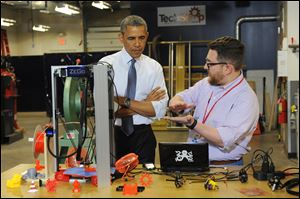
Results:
x,y
192,126
127,102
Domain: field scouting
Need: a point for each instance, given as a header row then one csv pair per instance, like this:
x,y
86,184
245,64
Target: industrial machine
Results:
x,y
10,130
292,136
83,131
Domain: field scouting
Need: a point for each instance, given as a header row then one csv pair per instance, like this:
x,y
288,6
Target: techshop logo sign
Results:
x,y
181,16
195,12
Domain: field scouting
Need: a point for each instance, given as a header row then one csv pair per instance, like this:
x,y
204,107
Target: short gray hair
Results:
x,y
133,20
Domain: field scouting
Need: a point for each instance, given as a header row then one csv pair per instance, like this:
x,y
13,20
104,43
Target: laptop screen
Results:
x,y
182,156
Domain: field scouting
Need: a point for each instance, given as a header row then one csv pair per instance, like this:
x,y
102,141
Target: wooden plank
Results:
x,y
268,107
180,69
273,104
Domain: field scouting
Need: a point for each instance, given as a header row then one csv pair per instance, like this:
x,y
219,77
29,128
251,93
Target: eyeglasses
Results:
x,y
212,64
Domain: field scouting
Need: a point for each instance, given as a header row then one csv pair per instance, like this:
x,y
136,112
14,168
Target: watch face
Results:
x,y
127,102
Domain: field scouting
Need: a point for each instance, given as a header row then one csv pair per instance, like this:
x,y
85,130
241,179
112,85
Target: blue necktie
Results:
x,y
127,123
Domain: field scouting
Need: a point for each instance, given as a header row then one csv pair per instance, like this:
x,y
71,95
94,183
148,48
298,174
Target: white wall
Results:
x,y
103,39
293,31
257,76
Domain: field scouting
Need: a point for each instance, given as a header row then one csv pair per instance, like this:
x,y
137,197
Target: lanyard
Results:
x,y
206,116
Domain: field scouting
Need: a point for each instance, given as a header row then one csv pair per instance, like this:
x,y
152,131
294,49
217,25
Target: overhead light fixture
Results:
x,y
11,3
40,28
67,9
101,5
7,22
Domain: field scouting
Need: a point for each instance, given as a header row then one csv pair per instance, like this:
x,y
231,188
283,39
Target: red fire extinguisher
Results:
x,y
282,108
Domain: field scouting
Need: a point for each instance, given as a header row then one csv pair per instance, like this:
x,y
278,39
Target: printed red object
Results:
x,y
127,163
130,189
38,166
147,182
94,180
76,186
60,176
51,185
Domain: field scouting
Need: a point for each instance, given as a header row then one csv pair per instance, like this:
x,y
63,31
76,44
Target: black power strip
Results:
x,y
260,175
267,170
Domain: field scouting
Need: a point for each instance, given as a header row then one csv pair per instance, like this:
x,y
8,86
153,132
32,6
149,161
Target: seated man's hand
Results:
x,y
186,120
178,106
156,95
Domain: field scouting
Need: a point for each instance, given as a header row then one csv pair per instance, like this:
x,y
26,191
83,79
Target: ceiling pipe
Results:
x,y
243,19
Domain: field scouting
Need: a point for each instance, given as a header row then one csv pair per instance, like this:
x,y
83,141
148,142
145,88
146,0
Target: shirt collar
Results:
x,y
233,82
127,58
238,79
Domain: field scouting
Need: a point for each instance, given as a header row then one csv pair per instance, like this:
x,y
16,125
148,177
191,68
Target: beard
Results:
x,y
215,80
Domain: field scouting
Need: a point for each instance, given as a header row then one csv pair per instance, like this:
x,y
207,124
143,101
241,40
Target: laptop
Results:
x,y
183,156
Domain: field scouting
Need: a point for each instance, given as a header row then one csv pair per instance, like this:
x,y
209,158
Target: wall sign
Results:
x,y
181,16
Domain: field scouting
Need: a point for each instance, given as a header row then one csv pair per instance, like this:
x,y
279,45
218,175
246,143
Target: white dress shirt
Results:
x,y
149,76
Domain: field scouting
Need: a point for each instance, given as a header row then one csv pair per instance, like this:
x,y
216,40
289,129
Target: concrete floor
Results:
x,y
21,151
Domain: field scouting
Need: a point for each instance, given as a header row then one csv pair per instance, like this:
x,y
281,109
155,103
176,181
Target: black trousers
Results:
x,y
141,142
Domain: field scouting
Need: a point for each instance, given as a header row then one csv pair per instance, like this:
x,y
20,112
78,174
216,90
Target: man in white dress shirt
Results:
x,y
149,99
226,108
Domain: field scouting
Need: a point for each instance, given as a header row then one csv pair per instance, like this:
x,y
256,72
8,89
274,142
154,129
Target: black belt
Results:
x,y
223,162
138,126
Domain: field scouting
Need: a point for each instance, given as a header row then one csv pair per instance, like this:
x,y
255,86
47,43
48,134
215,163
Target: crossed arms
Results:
x,y
144,107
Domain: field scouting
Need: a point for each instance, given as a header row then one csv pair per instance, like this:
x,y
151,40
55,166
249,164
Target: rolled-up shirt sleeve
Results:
x,y
240,122
161,105
190,96
233,113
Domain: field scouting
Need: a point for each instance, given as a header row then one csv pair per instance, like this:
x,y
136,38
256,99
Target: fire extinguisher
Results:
x,y
282,110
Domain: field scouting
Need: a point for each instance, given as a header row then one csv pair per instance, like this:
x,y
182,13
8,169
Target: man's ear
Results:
x,y
230,68
121,37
